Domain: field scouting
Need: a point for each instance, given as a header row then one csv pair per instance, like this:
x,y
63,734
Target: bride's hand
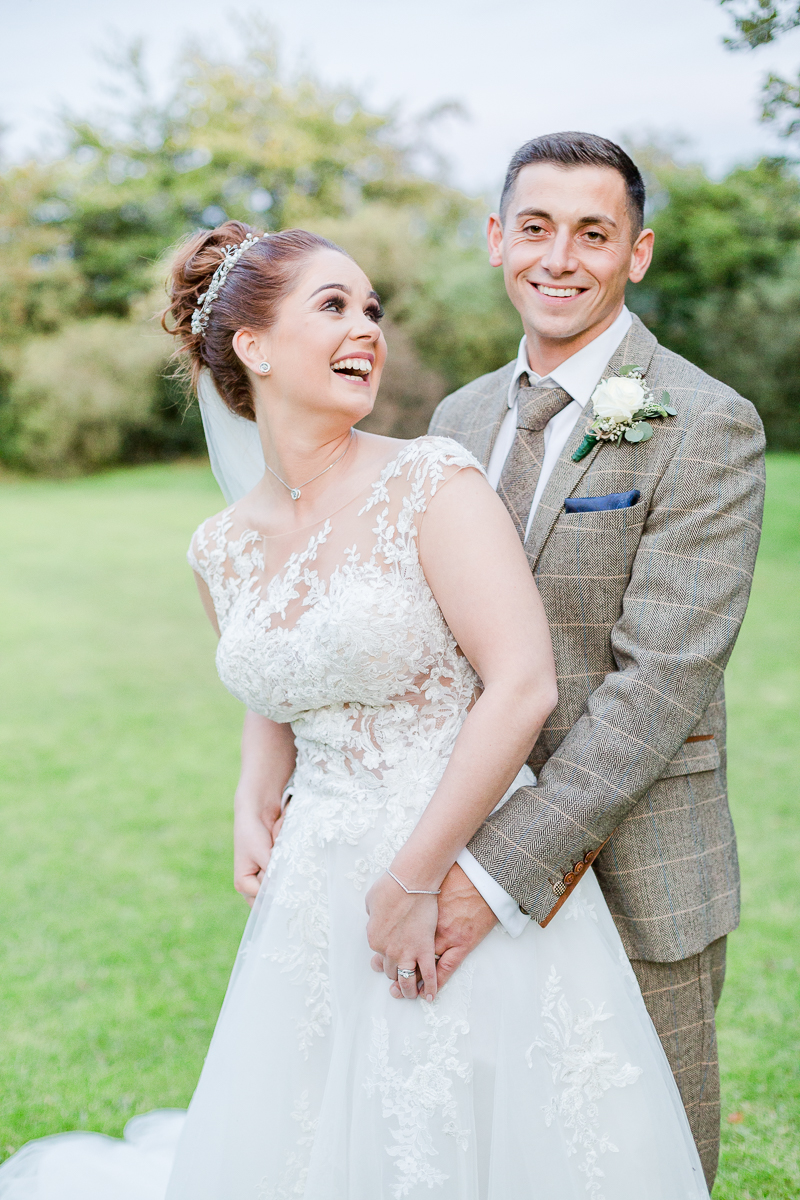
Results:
x,y
254,836
402,928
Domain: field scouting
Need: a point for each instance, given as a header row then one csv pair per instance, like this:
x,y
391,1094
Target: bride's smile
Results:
x,y
358,369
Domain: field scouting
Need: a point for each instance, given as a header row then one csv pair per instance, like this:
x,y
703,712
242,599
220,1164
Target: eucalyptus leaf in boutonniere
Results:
x,y
623,407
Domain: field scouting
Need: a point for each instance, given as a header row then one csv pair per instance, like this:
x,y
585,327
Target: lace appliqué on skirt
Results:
x,y
413,1099
579,1061
292,1180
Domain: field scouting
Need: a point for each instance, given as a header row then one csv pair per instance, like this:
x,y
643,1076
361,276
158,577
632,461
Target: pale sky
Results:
x,y
519,67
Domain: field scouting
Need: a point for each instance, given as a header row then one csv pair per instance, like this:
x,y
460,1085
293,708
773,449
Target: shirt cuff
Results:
x,y
504,907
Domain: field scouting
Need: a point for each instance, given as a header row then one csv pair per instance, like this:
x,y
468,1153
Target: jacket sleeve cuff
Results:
x,y
504,907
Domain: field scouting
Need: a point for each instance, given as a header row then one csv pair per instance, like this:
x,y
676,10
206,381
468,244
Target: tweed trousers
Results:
x,y
681,998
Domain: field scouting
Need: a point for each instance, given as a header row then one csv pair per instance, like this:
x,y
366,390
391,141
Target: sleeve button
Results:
x,y
569,878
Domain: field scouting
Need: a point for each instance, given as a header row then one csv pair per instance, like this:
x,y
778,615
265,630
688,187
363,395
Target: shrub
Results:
x,y
83,398
724,287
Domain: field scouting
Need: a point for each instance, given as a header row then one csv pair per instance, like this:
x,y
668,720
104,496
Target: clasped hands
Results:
x,y
433,933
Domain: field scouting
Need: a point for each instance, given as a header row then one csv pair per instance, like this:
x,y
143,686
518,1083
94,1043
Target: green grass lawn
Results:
x,y
119,757
759,1016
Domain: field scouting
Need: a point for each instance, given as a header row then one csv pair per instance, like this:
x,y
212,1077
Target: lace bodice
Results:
x,y
341,635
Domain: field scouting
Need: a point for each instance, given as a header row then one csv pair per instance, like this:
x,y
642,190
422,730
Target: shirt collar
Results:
x,y
579,374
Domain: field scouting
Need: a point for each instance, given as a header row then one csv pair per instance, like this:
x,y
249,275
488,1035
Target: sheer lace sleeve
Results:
x,y
196,555
222,565
426,464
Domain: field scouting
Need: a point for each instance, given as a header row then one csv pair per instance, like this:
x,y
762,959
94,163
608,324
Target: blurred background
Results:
x,y
387,127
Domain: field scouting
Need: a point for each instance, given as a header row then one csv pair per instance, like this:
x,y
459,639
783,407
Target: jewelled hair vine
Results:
x,y
202,313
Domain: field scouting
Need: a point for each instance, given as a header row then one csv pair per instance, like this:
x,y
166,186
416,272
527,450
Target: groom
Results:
x,y
643,552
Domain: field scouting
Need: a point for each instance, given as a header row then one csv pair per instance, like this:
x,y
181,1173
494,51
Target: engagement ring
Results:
x,y
406,972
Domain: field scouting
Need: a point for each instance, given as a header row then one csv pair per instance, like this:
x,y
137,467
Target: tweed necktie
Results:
x,y
520,475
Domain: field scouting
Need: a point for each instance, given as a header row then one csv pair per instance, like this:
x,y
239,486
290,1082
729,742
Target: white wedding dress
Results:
x,y
535,1075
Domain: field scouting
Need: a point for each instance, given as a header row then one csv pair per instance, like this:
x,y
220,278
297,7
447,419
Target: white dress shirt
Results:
x,y
578,375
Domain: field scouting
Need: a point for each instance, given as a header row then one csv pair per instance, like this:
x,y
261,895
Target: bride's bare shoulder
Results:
x,y
377,448
388,447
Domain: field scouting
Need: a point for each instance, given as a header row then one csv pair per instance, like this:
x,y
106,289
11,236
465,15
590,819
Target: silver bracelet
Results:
x,y
412,891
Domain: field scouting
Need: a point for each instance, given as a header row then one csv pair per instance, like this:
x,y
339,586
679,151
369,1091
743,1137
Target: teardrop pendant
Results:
x,y
295,492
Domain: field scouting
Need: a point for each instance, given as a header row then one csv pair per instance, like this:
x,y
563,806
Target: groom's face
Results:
x,y
567,247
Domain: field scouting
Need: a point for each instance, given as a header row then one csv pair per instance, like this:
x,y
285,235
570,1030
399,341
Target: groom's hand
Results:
x,y
464,920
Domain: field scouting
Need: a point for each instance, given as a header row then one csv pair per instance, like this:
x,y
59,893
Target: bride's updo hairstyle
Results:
x,y
249,298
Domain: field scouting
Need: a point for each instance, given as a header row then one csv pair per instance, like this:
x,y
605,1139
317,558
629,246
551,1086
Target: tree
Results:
x,y
759,22
233,140
724,286
84,238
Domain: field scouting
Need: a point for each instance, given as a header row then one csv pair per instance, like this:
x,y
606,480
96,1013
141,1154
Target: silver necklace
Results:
x,y
295,492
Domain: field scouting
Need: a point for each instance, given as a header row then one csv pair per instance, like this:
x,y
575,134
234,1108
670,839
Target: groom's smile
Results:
x,y
568,246
555,293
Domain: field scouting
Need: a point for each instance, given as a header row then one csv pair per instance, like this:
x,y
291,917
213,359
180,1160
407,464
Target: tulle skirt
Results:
x,y
536,1074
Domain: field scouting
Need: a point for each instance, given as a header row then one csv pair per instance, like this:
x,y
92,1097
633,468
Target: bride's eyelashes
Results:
x,y
338,304
335,304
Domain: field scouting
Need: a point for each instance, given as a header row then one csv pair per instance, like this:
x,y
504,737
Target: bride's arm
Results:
x,y
268,758
479,575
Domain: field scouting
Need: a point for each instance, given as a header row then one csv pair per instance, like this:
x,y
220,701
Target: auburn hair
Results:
x,y
249,299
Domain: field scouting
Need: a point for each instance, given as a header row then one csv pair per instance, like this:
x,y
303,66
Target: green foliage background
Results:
x,y
724,286
84,241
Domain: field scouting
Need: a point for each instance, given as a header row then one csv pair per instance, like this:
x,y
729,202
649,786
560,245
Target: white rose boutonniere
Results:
x,y
623,405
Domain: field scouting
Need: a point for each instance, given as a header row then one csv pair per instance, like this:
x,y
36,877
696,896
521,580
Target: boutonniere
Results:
x,y
623,407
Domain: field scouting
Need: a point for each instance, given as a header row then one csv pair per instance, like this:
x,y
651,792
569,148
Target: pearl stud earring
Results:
x,y
265,368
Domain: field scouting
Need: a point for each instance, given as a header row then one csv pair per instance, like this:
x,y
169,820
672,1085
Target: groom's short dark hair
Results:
x,y
579,150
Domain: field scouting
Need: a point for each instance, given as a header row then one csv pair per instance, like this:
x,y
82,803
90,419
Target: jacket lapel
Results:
x,y
488,417
638,346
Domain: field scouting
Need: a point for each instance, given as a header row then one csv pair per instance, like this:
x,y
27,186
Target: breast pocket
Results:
x,y
586,563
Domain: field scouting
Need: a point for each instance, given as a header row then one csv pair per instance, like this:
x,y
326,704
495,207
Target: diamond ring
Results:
x,y
406,972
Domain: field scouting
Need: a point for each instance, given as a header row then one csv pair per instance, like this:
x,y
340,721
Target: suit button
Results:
x,y
569,878
590,857
578,868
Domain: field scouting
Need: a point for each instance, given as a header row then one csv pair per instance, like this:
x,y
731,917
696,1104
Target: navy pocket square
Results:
x,y
579,504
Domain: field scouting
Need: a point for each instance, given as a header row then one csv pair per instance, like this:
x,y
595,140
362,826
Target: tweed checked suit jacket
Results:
x,y
644,605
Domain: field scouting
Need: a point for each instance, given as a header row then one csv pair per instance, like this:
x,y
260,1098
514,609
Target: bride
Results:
x,y
377,617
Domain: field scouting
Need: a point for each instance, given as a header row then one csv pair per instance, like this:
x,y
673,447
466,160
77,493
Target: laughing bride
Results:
x,y
377,617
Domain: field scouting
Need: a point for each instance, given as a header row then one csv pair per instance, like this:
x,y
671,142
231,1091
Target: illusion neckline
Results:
x,y
320,522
